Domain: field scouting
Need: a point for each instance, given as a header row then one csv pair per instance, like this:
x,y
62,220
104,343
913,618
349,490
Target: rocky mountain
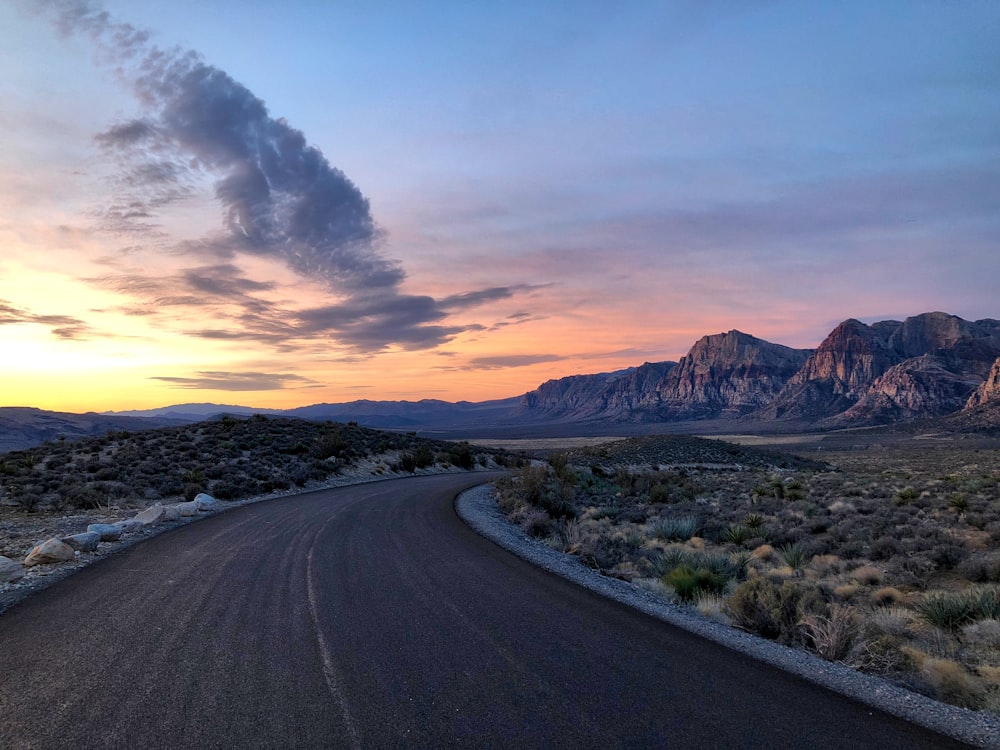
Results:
x,y
926,365
609,395
725,375
989,391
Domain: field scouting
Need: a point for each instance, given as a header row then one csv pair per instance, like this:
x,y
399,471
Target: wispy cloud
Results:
x,y
507,361
238,381
61,326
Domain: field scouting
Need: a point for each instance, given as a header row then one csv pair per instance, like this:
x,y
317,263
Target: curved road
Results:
x,y
371,616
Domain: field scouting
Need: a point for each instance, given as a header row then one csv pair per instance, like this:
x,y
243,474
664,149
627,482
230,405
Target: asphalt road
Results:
x,y
371,616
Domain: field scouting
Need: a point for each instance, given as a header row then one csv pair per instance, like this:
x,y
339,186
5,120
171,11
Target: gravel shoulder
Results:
x,y
478,508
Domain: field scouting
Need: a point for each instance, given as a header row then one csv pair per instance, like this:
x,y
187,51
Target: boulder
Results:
x,y
10,570
51,551
85,542
204,500
188,509
171,512
109,532
129,525
152,515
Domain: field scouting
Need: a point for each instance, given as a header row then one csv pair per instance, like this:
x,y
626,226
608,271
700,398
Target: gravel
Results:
x,y
479,509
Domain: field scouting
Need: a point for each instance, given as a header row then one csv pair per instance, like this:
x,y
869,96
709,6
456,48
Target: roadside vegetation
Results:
x,y
229,458
886,559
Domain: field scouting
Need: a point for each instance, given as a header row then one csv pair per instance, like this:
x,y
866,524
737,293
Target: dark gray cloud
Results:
x,y
281,197
238,381
61,326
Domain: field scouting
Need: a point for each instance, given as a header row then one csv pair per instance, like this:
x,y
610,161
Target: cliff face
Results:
x,y
726,374
989,391
925,366
925,386
612,395
837,374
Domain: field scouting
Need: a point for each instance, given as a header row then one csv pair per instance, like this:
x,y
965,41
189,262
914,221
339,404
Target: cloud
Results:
x,y
214,380
507,361
281,197
61,326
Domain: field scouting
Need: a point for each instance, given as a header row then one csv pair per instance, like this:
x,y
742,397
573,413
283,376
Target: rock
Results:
x,y
989,390
109,532
172,512
51,551
85,542
130,525
188,509
204,500
10,570
152,515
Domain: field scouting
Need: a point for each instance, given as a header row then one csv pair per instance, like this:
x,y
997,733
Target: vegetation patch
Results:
x,y
882,557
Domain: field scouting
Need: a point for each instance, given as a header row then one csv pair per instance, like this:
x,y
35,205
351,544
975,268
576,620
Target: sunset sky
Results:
x,y
279,204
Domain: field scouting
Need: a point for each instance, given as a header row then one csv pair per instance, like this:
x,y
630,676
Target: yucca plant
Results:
x,y
736,534
678,529
949,611
793,555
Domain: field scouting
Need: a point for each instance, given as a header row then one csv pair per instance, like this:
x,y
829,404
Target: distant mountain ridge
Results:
x,y
929,365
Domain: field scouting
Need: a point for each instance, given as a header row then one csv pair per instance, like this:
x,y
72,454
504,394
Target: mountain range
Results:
x,y
929,365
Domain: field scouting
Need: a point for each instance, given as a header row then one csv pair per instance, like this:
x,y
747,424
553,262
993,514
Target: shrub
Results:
x,y
832,635
867,575
736,534
793,555
948,611
951,683
678,529
887,596
761,607
689,582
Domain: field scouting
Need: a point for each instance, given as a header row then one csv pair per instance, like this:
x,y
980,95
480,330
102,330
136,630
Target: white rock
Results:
x,y
171,512
10,570
204,500
188,509
85,542
152,515
51,551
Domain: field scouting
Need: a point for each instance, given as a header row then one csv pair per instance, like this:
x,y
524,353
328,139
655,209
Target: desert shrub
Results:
x,y
949,611
793,555
677,529
737,534
832,635
761,607
659,493
951,683
887,596
536,523
461,456
689,582
867,575
330,444
982,567
906,495
947,556
884,548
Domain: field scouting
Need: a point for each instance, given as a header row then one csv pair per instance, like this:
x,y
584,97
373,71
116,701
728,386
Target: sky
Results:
x,y
280,204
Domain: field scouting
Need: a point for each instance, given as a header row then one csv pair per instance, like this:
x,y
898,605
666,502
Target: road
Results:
x,y
370,616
